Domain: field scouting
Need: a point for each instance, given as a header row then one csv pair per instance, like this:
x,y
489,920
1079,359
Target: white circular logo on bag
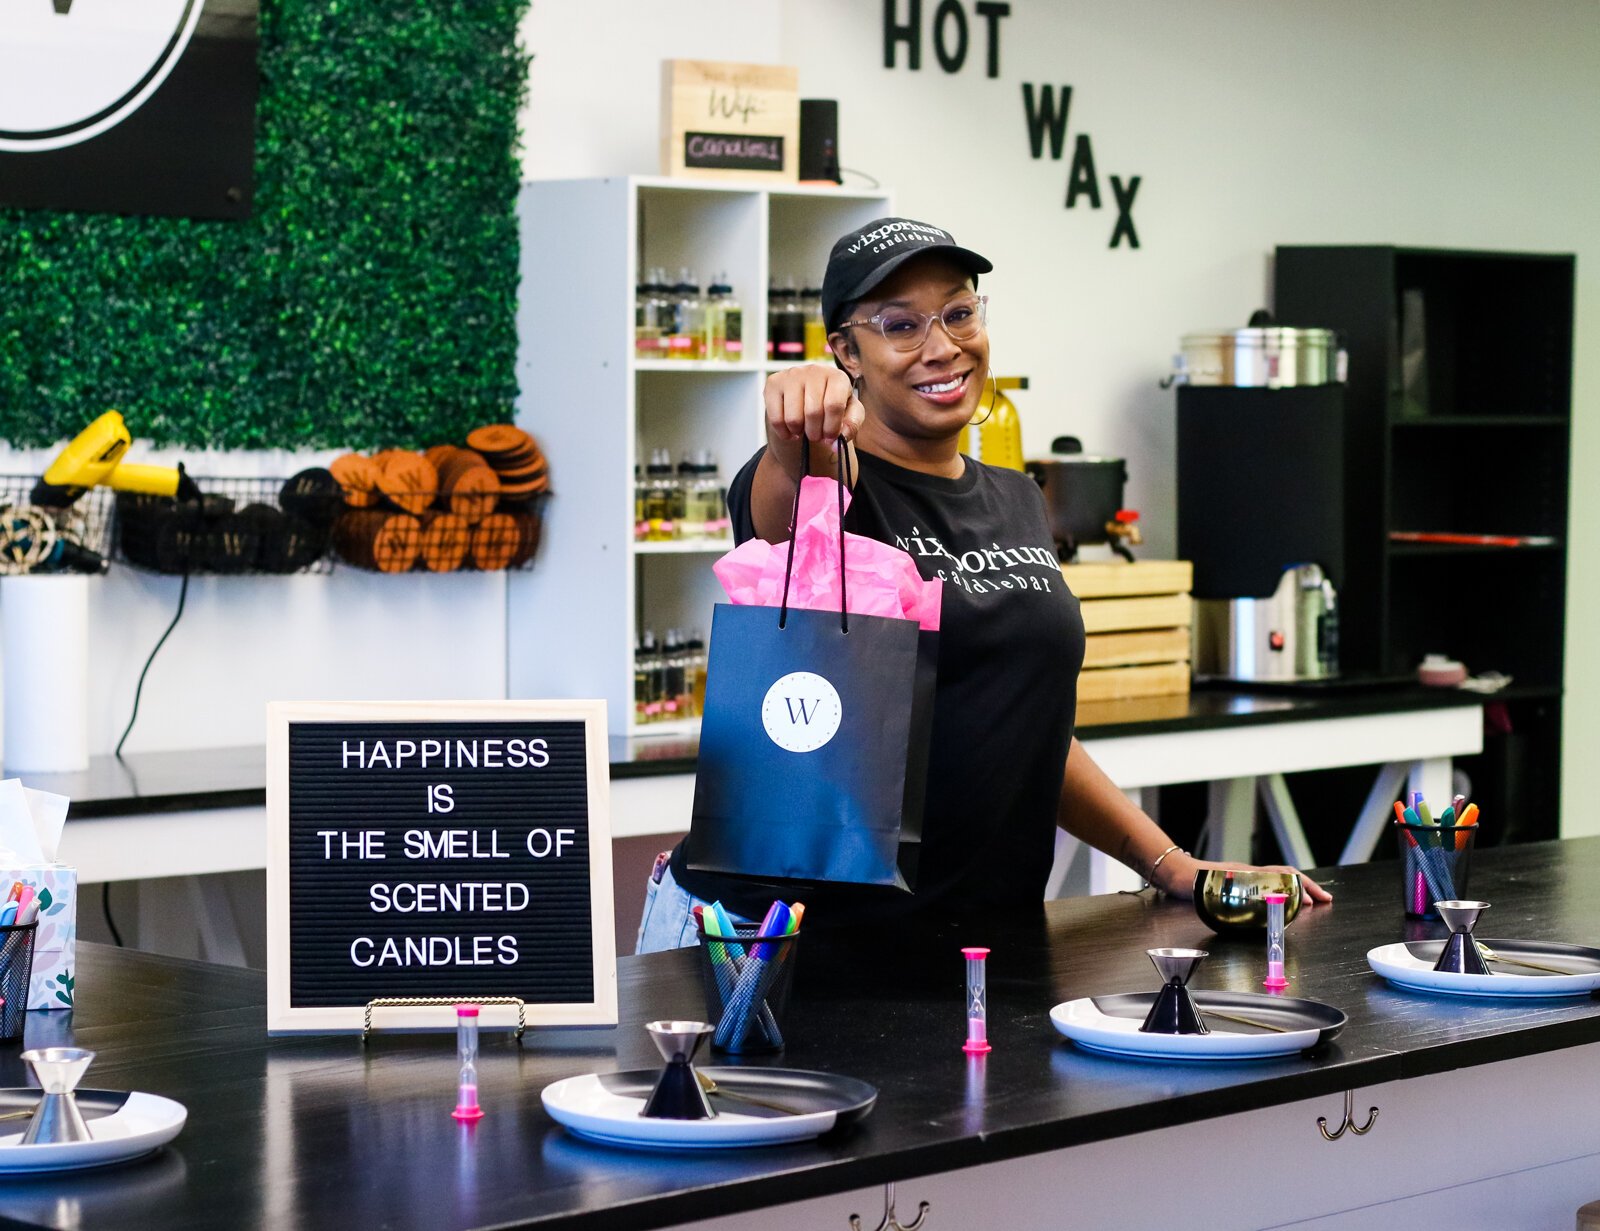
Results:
x,y
801,712
70,69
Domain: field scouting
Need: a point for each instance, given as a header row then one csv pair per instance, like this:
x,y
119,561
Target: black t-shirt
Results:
x,y
1010,647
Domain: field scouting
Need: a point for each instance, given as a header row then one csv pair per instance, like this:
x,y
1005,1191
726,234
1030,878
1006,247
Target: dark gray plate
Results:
x,y
801,1090
1287,1012
1572,959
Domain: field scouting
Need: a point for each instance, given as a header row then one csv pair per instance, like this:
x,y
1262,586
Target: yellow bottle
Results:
x,y
996,440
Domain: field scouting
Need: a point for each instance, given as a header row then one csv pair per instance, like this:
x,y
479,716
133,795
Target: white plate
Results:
x,y
144,1122
585,1106
1118,1034
1414,971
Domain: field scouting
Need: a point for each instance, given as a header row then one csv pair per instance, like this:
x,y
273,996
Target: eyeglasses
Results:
x,y
907,329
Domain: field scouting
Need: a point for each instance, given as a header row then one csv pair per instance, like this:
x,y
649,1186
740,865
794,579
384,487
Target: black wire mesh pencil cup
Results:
x,y
747,984
16,976
1434,862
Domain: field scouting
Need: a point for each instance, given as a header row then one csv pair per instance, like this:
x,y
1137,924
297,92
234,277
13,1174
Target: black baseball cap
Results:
x,y
866,256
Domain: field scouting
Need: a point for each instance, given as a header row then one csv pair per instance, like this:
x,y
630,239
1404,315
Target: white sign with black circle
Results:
x,y
801,711
128,106
70,69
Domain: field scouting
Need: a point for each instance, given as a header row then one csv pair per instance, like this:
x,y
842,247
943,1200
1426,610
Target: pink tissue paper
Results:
x,y
881,580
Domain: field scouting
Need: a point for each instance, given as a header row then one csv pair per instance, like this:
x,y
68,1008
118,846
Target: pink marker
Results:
x,y
977,1001
467,1047
1275,908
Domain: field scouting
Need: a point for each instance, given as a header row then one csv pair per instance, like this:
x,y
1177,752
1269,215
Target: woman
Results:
x,y
907,328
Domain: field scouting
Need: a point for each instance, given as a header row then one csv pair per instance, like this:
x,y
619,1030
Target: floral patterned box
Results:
x,y
55,945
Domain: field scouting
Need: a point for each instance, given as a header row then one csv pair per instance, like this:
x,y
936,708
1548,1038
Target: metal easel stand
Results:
x,y
890,1222
440,1002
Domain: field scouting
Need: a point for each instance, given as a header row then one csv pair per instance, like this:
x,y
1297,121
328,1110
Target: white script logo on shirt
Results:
x,y
985,570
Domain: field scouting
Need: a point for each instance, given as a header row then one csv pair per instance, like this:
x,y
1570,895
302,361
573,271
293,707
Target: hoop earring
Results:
x,y
994,399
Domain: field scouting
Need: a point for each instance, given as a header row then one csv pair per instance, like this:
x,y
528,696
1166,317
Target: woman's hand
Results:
x,y
1176,876
812,402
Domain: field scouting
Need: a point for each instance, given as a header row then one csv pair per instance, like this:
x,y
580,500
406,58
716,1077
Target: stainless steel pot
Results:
x,y
1261,356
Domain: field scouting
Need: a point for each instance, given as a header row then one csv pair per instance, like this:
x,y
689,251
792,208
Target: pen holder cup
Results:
x,y
747,984
16,974
1434,863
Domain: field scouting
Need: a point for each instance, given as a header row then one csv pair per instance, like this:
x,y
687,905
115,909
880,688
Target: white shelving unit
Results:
x,y
574,620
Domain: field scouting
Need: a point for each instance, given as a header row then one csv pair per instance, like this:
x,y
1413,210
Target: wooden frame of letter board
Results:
x,y
284,1019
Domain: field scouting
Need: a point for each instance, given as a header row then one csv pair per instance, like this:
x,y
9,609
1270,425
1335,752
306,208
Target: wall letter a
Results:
x,y
1081,180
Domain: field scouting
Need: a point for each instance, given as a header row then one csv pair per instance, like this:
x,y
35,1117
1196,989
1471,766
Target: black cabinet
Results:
x,y
1459,423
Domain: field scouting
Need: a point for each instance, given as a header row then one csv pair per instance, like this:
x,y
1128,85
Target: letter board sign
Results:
x,y
454,849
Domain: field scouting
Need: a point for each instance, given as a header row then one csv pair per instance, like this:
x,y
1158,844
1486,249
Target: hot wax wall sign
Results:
x,y
456,850
1045,106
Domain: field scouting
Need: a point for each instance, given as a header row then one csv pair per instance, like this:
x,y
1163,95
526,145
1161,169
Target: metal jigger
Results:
x,y
1174,1011
1461,954
678,1094
58,1070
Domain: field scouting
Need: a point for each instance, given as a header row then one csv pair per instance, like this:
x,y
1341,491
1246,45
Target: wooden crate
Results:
x,y
1136,618
738,122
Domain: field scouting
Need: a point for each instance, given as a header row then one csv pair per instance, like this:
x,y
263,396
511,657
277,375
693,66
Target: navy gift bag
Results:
x,y
813,745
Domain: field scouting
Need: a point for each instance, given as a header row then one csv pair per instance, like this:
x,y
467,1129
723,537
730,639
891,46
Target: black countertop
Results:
x,y
152,782
319,1132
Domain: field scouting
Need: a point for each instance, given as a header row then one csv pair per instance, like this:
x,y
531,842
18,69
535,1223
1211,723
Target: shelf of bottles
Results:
x,y
679,491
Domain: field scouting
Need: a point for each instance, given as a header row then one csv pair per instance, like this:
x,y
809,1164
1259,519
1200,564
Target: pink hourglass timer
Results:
x,y
977,1001
1275,909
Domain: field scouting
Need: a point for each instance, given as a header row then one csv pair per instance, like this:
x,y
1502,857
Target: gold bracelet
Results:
x,y
1151,879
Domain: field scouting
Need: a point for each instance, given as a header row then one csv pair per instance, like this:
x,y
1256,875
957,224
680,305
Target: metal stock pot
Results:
x,y
1261,356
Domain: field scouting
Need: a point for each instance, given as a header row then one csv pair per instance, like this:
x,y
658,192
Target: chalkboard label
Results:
x,y
733,152
458,854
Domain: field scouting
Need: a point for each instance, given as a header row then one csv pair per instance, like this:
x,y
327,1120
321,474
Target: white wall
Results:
x,y
594,88
244,641
1471,125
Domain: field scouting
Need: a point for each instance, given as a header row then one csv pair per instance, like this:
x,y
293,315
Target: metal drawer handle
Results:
x,y
889,1221
1349,1122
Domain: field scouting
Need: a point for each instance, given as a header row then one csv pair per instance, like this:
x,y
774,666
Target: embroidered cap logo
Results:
x,y
801,711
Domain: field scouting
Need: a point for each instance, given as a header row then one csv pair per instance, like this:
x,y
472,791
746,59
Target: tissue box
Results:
x,y
30,836
55,944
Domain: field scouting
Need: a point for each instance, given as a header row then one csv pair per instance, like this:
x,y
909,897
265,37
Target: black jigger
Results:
x,y
678,1094
1174,1011
1461,955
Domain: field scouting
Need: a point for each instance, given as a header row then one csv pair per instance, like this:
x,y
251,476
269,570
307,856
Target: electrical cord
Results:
x,y
183,594
871,182
105,909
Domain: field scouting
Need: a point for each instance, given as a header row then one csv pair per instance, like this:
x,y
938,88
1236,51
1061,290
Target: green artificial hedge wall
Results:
x,y
370,299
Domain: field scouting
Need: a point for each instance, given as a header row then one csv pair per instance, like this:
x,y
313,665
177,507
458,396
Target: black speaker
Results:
x,y
819,140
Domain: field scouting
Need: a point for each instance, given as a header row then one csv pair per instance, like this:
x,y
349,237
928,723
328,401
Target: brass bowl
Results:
x,y
1230,901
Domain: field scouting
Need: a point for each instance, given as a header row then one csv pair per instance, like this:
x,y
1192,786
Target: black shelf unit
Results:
x,y
1471,434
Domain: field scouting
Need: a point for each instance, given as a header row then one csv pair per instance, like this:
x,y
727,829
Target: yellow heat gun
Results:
x,y
94,457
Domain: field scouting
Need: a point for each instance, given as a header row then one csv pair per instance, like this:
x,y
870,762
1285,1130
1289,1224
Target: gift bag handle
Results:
x,y
846,473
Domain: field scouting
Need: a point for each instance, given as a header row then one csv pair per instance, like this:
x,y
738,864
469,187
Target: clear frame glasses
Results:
x,y
907,329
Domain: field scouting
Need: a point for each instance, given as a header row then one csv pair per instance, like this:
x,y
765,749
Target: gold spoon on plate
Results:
x,y
1490,955
711,1087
